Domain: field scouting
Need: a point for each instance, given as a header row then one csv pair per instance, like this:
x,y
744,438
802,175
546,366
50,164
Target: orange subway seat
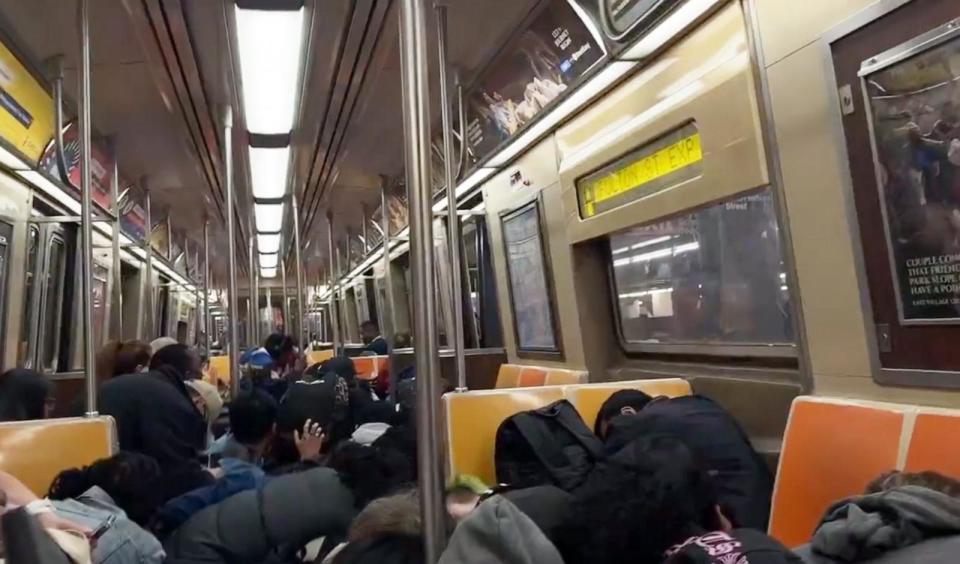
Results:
x,y
590,397
532,376
508,376
931,444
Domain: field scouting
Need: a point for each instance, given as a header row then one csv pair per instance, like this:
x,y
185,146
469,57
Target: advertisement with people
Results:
x,y
915,110
535,69
101,165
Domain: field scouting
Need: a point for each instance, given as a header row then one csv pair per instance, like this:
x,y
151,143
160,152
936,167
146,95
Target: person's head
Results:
x,y
928,479
635,507
181,358
622,402
25,394
369,330
206,398
370,472
281,348
122,357
159,343
395,514
131,479
342,366
253,417
388,549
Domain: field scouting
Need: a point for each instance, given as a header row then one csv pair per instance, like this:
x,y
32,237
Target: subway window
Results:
x,y
714,276
52,307
33,251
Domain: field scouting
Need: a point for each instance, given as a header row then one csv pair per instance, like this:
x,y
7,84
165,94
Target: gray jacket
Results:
x,y
123,542
256,525
499,533
903,524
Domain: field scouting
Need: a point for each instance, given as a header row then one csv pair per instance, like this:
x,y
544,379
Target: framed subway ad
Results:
x,y
898,82
529,283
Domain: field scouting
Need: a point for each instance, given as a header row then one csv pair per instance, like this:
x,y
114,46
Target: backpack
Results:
x,y
550,445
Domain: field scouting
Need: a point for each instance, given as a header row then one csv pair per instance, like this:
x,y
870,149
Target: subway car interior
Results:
x,y
474,281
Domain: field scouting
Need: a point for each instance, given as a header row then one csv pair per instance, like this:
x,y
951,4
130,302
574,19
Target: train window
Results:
x,y
33,251
711,277
6,234
53,298
530,292
635,16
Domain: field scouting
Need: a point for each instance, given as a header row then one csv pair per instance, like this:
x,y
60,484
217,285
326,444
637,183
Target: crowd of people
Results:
x,y
313,464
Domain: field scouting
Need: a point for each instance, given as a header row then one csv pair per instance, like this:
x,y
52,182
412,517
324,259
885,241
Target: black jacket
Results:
x,y
267,524
155,416
742,479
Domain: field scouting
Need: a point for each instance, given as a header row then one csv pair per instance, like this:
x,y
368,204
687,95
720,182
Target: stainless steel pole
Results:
x,y
234,346
389,331
206,285
198,312
268,313
334,305
416,122
364,234
251,301
301,321
286,307
116,290
257,318
151,298
453,220
86,226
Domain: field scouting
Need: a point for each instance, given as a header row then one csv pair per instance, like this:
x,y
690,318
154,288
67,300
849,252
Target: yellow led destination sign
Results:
x,y
671,159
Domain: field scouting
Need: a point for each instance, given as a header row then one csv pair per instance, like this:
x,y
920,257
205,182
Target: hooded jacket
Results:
x,y
497,532
272,521
740,546
899,525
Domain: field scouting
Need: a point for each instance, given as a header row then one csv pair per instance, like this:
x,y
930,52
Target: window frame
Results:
x,y
699,348
56,237
641,25
535,353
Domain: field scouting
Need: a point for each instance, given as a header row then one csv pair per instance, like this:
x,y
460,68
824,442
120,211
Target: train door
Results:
x,y
43,314
6,236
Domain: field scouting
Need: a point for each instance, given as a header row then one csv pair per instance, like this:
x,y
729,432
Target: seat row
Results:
x,y
521,376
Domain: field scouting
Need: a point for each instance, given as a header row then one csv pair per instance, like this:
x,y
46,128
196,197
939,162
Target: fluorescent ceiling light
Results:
x,y
269,217
268,171
50,189
268,272
576,101
12,161
668,29
270,51
268,242
268,261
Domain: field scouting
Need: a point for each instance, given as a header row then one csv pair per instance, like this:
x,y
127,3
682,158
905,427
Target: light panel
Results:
x,y
12,161
268,171
268,273
269,217
270,47
268,261
668,29
268,242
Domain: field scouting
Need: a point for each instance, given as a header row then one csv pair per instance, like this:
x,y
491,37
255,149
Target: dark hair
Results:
x,y
342,366
370,324
928,479
370,472
121,357
253,415
387,549
177,356
23,394
633,508
620,402
278,344
130,478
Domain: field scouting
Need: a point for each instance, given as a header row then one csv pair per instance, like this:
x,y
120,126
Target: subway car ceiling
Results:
x,y
629,200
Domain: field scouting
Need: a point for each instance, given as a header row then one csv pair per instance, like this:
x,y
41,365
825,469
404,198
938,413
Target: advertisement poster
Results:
x,y
532,72
396,210
528,280
133,218
101,163
26,109
915,109
160,238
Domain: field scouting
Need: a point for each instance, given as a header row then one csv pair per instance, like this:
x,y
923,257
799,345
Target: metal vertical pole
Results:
x,y
453,220
257,321
206,285
301,322
116,288
416,121
251,301
363,230
198,312
151,298
234,346
286,306
269,311
334,305
86,178
388,332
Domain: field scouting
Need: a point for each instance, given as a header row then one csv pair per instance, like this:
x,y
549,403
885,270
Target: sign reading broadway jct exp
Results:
x,y
532,72
915,110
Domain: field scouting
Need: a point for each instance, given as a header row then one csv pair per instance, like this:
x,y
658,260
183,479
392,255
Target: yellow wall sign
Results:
x,y
26,109
671,159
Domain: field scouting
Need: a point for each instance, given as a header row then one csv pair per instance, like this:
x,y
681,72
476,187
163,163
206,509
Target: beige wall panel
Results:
x,y
15,206
706,79
865,388
505,192
787,26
